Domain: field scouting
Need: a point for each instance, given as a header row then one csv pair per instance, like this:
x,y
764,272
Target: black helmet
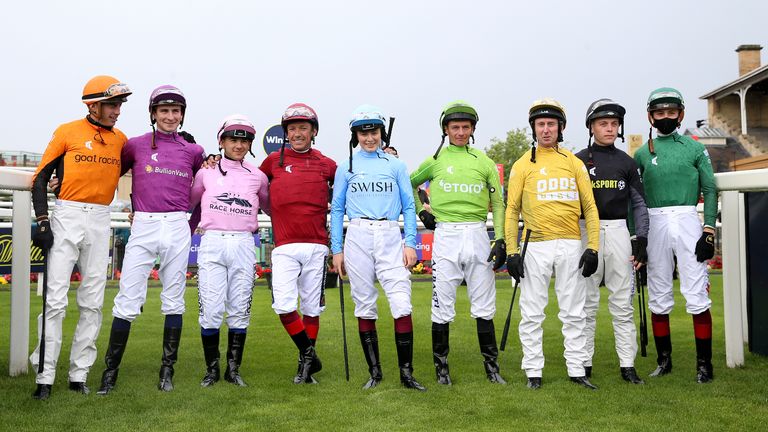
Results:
x,y
605,108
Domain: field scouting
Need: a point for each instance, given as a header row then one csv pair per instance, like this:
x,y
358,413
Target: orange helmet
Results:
x,y
103,87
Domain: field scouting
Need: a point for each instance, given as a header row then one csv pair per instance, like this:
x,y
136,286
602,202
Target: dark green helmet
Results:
x,y
665,97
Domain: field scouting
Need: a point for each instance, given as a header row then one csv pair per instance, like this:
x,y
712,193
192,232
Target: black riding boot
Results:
x,y
664,355
370,342
118,339
440,349
171,339
404,342
235,346
310,364
486,335
212,355
704,372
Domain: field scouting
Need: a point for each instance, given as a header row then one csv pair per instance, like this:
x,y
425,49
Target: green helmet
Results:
x,y
665,97
458,110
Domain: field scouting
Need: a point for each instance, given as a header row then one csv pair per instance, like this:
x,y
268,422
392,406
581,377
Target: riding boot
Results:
x,y
370,343
310,364
235,346
664,355
118,339
486,335
704,372
440,349
171,339
212,355
404,343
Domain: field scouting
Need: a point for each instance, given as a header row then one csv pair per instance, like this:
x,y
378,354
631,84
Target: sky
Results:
x,y
408,57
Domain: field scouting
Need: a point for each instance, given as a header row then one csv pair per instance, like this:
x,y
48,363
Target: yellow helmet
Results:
x,y
104,87
546,107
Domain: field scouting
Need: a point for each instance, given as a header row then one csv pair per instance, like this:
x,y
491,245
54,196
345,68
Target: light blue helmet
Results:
x,y
366,117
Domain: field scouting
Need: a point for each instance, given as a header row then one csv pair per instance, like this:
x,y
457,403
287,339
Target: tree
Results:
x,y
507,152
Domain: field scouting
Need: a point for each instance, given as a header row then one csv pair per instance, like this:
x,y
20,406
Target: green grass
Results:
x,y
736,400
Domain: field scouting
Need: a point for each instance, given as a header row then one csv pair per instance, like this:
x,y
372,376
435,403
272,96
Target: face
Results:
x,y
605,130
546,131
168,117
235,148
459,132
369,140
300,135
106,113
665,113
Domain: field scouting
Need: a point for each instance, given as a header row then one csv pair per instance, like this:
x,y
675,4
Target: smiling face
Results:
x,y
300,134
235,148
369,140
105,112
168,117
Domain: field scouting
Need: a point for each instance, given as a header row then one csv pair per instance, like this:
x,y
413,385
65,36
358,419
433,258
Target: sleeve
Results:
x,y
514,206
409,207
198,187
639,213
418,177
266,167
708,187
588,207
199,158
497,201
332,168
263,193
126,158
52,156
338,207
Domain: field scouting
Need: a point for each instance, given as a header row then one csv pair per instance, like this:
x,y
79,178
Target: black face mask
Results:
x,y
666,125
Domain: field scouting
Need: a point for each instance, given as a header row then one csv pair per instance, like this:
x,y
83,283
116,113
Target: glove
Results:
x,y
187,137
515,267
498,254
589,263
705,247
428,219
43,237
639,249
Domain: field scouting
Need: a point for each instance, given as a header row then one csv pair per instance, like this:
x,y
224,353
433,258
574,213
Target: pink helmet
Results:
x,y
300,112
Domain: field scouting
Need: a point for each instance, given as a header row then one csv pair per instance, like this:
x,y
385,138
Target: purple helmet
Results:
x,y
167,95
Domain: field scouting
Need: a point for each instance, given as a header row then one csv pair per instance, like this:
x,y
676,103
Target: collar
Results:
x,y
603,149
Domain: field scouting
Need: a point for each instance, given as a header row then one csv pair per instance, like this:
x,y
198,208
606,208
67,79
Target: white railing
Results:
x,y
732,186
20,182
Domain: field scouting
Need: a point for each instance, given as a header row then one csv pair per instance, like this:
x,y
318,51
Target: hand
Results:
x,y
705,247
428,219
338,263
639,252
54,185
589,263
211,161
409,257
187,137
130,218
498,254
515,267
43,237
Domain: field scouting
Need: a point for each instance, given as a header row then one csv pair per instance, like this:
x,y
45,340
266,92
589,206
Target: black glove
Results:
x,y
428,219
515,267
187,137
589,263
639,249
498,254
43,237
705,247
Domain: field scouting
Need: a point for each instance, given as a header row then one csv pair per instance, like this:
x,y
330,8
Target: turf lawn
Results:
x,y
736,400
